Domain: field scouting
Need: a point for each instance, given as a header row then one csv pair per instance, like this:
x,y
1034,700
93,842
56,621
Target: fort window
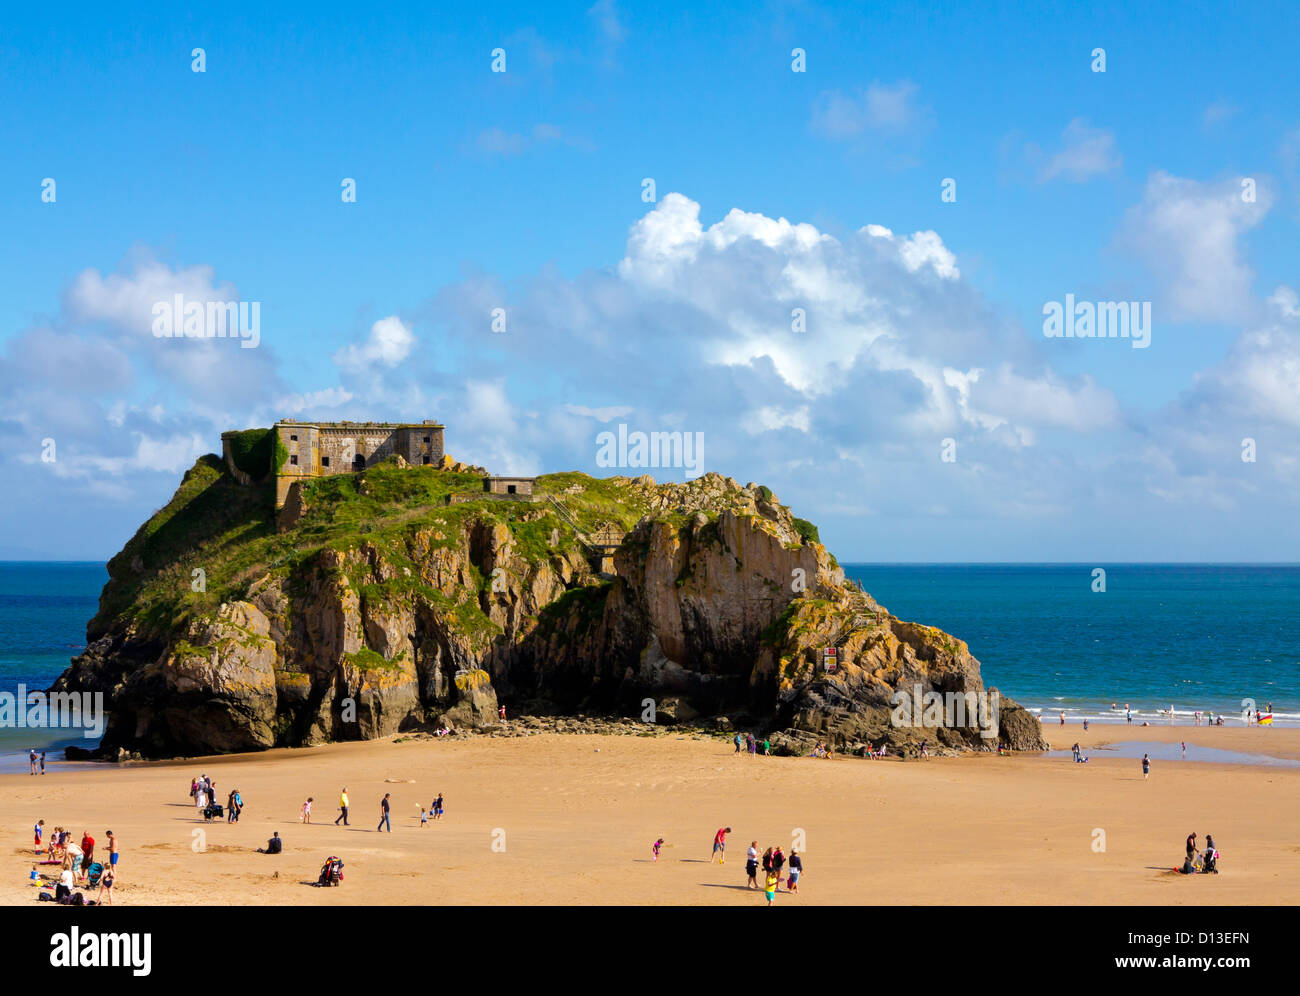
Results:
x,y
510,489
324,461
294,460
426,439
359,462
293,439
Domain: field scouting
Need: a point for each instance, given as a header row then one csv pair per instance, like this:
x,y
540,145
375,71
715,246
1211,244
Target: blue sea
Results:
x,y
1197,637
44,608
1194,637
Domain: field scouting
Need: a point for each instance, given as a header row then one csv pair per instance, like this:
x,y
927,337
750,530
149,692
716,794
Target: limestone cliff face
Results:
x,y
424,613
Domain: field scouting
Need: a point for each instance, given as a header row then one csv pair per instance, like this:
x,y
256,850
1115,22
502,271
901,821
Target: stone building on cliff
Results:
x,y
319,449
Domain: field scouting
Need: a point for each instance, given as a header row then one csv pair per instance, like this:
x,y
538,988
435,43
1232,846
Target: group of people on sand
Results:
x,y
435,811
772,862
1198,862
77,865
203,790
748,742
35,760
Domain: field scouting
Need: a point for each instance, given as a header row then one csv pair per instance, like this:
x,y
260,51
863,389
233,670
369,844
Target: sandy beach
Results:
x,y
569,819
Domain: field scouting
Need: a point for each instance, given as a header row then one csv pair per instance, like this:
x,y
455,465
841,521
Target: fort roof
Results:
x,y
426,424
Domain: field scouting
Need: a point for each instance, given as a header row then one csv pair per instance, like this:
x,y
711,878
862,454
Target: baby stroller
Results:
x,y
213,811
331,872
96,871
1210,863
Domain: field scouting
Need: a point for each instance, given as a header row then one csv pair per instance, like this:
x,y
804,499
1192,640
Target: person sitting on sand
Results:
x,y
35,876
1189,867
64,888
273,846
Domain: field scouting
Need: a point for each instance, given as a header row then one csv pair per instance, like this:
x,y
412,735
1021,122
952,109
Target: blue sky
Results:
x,y
523,190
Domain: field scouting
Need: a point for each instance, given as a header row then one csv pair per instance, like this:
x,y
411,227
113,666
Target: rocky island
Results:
x,y
402,596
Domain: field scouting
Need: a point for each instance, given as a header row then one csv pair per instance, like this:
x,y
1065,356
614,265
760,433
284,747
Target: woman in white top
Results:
x,y
64,888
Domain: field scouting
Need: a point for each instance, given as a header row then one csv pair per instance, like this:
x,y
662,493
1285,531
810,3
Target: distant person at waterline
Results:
x,y
1146,766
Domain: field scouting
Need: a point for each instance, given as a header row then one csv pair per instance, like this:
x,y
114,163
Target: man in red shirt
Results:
x,y
720,846
87,852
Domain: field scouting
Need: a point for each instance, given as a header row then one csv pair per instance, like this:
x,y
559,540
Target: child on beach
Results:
x,y
1146,766
424,818
35,877
38,829
720,846
305,815
769,887
655,847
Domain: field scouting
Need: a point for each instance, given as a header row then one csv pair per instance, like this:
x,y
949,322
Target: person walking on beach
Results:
x,y
424,817
383,814
1085,725
1075,751
42,762
796,869
305,815
720,846
1183,744
31,760
1146,766
778,863
1191,845
1063,718
1128,715
38,829
343,807
736,738
751,865
437,807
654,848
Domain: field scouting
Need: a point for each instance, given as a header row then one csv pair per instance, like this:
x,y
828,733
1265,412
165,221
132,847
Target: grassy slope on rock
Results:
x,y
226,530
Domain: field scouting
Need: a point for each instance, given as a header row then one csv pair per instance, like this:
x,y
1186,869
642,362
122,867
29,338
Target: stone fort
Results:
x,y
319,449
